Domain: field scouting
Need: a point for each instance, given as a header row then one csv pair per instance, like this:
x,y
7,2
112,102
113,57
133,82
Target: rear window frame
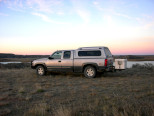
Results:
x,y
107,52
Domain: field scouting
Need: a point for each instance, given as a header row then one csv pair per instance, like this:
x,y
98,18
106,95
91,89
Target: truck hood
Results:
x,y
42,59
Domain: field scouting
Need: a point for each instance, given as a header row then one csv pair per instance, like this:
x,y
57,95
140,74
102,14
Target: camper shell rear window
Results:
x,y
89,53
107,51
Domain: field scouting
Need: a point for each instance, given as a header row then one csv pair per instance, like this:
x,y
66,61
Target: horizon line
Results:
x,y
112,54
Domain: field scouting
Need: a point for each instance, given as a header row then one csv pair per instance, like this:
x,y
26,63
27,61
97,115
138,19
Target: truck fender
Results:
x,y
91,64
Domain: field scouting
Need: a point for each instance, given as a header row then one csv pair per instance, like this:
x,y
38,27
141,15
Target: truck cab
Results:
x,y
61,60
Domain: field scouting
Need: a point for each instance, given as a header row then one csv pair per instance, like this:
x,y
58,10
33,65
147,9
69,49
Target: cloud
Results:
x,y
84,15
44,17
122,15
41,8
47,19
146,22
81,8
112,10
16,5
3,14
48,6
149,25
60,13
95,3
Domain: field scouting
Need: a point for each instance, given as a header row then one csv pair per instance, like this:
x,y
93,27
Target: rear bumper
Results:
x,y
111,69
107,69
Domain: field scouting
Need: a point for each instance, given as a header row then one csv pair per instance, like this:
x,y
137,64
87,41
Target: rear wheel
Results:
x,y
40,70
90,72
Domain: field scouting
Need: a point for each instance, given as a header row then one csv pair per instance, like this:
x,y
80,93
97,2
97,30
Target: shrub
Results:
x,y
147,66
14,65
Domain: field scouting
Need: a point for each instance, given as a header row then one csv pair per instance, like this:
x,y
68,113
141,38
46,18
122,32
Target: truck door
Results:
x,y
67,61
54,63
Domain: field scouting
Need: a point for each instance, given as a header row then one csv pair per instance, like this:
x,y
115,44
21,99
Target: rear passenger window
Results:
x,y
67,54
89,53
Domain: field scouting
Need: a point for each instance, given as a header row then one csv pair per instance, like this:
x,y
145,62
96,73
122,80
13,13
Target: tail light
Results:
x,y
105,62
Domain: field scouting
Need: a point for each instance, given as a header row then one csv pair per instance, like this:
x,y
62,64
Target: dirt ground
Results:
x,y
124,93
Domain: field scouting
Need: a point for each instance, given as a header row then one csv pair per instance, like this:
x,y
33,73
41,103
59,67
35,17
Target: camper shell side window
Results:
x,y
89,53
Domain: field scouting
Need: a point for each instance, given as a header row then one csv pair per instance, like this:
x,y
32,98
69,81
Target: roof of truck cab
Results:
x,y
64,50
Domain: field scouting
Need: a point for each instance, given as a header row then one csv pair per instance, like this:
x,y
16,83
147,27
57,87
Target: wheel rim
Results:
x,y
90,72
40,71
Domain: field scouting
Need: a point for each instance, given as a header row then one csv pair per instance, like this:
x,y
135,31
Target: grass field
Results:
x,y
123,93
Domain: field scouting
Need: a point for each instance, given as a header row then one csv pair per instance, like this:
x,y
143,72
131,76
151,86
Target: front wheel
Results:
x,y
90,72
40,70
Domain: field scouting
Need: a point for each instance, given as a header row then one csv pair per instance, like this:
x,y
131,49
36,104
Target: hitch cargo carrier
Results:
x,y
120,64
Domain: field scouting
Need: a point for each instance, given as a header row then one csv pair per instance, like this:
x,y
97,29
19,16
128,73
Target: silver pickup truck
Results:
x,y
86,60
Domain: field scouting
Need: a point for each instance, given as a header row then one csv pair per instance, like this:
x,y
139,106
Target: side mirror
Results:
x,y
50,57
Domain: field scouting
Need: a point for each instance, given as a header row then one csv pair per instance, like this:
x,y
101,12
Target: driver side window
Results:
x,y
57,55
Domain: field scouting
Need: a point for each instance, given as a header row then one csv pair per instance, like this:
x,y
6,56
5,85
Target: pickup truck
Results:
x,y
86,60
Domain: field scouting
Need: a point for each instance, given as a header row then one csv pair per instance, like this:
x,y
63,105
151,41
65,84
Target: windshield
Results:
x,y
56,55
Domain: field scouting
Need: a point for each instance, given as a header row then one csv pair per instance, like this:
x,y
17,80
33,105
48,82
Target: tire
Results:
x,y
90,72
40,70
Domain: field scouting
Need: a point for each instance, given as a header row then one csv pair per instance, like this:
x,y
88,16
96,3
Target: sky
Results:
x,y
40,27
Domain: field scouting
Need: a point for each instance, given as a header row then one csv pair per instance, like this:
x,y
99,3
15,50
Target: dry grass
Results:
x,y
125,93
17,59
38,110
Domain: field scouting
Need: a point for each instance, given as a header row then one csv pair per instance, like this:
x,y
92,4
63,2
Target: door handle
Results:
x,y
59,61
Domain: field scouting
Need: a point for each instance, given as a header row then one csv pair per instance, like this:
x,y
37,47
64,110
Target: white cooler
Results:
x,y
120,64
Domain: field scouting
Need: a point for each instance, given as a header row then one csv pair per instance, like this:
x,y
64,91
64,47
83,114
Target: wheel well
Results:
x,y
40,65
89,65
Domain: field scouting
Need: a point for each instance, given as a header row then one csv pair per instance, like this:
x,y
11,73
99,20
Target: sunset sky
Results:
x,y
43,26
